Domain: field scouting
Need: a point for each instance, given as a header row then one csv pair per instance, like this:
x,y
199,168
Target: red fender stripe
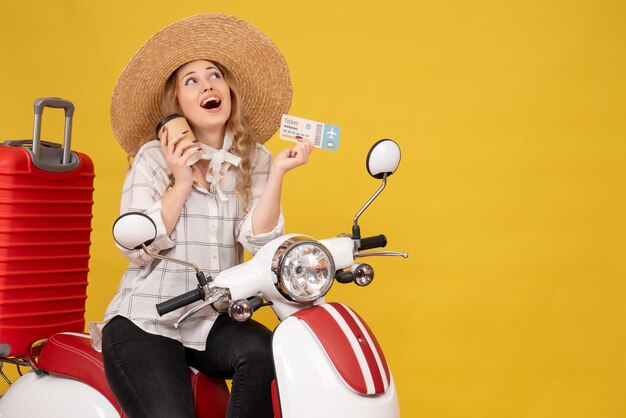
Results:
x,y
350,345
379,386
381,355
336,345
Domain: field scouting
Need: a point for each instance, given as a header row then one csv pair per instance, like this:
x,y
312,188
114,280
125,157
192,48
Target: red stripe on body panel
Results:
x,y
381,355
379,384
336,345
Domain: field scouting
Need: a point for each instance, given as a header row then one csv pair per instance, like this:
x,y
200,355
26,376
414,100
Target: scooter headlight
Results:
x,y
304,268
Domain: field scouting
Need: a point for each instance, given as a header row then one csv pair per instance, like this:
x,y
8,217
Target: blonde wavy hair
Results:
x,y
244,143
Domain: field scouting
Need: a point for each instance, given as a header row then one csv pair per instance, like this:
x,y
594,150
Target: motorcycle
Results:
x,y
327,360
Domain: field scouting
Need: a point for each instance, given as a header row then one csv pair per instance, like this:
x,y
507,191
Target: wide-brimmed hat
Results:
x,y
249,55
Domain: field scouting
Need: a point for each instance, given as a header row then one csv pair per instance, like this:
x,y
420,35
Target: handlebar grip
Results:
x,y
378,241
180,301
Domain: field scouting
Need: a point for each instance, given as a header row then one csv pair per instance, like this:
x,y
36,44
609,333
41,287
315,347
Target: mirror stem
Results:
x,y
175,260
356,231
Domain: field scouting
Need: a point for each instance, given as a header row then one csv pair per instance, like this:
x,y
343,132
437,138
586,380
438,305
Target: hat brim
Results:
x,y
249,55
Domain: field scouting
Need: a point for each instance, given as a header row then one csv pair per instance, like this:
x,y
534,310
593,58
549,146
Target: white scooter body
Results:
x,y
53,396
309,383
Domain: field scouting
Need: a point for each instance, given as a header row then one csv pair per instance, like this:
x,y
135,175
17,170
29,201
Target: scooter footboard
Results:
x,y
328,363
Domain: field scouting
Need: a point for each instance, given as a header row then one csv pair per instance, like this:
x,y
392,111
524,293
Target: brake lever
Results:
x,y
381,253
217,295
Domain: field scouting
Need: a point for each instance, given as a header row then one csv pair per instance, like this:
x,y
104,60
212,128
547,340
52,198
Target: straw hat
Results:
x,y
251,57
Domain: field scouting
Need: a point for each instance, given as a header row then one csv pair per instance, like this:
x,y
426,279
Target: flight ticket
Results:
x,y
321,134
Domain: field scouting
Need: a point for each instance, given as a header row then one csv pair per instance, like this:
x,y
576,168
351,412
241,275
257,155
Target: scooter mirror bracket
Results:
x,y
382,161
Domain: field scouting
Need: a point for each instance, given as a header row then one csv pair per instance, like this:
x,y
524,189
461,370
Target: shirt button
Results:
x,y
214,256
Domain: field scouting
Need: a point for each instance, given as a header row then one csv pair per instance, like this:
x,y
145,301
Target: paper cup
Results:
x,y
177,124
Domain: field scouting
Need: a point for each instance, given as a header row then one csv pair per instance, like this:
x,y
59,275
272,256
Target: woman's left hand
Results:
x,y
291,158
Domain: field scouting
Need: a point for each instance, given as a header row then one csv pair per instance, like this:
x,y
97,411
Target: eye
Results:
x,y
215,75
190,80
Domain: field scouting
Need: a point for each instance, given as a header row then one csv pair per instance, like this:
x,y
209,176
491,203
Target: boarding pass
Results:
x,y
321,134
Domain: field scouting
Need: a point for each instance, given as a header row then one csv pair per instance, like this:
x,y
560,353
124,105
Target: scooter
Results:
x,y
327,360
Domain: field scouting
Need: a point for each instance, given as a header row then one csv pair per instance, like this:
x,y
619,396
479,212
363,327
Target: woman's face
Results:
x,y
203,96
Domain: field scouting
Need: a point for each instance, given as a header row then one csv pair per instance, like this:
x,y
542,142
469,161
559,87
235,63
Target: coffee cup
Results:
x,y
176,125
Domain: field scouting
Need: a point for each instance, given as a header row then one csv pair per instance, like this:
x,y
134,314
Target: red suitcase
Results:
x,y
46,199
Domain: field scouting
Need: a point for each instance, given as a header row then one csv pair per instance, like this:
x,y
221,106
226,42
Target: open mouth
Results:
x,y
211,103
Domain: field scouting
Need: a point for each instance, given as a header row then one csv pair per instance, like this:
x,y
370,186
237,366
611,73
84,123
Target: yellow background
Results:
x,y
510,197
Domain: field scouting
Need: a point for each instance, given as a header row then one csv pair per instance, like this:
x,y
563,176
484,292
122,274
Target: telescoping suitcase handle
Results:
x,y
58,103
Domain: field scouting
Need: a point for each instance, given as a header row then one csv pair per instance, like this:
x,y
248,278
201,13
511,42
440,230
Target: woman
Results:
x,y
232,85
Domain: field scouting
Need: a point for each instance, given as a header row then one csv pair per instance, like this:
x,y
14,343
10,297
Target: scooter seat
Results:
x,y
71,355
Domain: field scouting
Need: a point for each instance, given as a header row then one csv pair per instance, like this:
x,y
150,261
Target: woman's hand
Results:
x,y
291,158
177,152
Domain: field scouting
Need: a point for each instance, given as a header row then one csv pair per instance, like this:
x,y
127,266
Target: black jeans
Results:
x,y
149,374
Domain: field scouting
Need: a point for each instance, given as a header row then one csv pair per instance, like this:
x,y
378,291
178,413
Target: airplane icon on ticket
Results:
x,y
332,134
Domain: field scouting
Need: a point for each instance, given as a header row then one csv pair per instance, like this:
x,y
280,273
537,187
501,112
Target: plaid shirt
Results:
x,y
210,232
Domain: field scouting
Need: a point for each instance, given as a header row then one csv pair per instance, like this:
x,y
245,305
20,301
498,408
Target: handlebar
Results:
x,y
180,301
378,241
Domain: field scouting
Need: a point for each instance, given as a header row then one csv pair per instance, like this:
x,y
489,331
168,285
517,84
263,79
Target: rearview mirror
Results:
x,y
133,229
383,158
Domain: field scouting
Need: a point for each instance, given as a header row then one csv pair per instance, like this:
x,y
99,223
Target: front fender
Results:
x,y
328,363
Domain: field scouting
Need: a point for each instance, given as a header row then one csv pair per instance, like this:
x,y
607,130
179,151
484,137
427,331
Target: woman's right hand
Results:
x,y
177,152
